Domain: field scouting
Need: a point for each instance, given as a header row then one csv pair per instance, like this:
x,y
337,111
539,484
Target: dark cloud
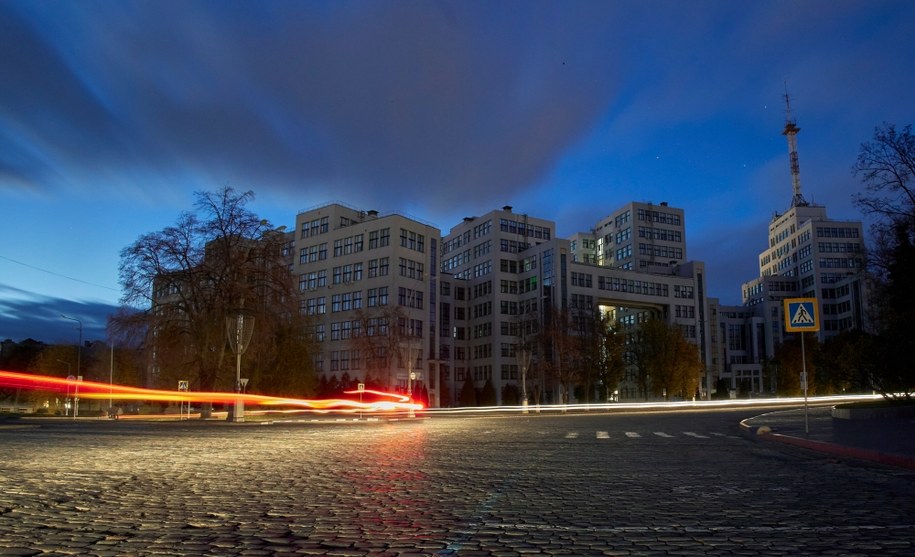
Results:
x,y
416,97
24,315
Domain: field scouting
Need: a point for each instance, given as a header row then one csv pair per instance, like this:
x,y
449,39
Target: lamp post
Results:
x,y
239,328
79,354
111,379
67,398
524,359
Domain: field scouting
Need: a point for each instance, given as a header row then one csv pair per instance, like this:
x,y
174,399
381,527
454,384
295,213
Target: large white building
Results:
x,y
811,256
369,282
515,272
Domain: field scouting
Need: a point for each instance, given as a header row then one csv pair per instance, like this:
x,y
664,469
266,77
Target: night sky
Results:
x,y
112,114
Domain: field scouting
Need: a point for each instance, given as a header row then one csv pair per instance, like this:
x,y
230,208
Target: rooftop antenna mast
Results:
x,y
790,131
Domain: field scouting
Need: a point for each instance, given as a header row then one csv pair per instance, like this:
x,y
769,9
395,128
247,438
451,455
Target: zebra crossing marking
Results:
x,y
725,435
603,434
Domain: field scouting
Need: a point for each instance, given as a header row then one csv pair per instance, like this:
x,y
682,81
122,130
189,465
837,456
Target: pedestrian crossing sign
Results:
x,y
801,315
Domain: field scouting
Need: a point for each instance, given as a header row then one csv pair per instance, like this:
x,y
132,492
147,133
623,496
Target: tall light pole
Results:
x,y
111,379
79,354
79,347
67,399
524,357
239,328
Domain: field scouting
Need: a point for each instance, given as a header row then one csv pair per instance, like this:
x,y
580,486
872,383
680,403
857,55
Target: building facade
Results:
x,y
369,284
808,255
515,273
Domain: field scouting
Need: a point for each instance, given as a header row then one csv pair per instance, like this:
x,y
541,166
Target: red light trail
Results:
x,y
380,401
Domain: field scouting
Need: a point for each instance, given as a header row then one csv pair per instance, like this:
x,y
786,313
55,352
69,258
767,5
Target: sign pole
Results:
x,y
801,315
804,384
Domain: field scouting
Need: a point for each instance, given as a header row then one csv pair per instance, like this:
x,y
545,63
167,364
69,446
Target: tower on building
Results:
x,y
791,130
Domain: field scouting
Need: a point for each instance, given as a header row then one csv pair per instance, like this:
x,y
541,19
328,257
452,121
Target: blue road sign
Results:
x,y
801,315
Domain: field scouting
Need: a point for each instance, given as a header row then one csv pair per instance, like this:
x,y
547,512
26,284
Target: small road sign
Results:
x,y
801,315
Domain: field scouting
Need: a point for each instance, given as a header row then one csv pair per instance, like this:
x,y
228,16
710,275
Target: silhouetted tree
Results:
x,y
488,394
886,166
468,393
511,395
562,355
848,362
196,276
668,364
791,365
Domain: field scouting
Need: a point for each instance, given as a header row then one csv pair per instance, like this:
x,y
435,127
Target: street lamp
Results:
x,y
524,359
239,329
67,398
79,354
410,379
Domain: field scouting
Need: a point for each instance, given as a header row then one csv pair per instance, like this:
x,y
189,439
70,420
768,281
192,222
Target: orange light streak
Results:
x,y
385,402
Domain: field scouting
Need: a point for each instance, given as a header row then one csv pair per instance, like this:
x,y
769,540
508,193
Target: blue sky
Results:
x,y
113,113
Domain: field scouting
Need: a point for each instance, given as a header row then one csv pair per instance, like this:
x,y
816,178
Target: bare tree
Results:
x,y
562,361
381,342
886,166
196,274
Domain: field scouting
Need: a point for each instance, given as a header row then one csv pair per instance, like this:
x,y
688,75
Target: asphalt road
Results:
x,y
685,483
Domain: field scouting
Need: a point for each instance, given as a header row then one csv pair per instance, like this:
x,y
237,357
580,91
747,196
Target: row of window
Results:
x,y
524,229
345,246
484,373
655,250
582,301
512,246
354,244
314,227
407,297
456,261
481,249
688,312
581,279
839,247
660,234
373,326
647,288
412,240
663,217
456,242
482,229
353,300
837,232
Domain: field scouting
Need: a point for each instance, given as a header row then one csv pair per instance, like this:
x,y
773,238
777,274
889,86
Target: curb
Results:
x,y
765,433
842,450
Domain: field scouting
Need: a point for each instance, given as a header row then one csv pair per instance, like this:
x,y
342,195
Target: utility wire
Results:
x,y
59,274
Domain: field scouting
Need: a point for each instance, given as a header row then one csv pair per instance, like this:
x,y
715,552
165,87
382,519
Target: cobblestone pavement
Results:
x,y
672,484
